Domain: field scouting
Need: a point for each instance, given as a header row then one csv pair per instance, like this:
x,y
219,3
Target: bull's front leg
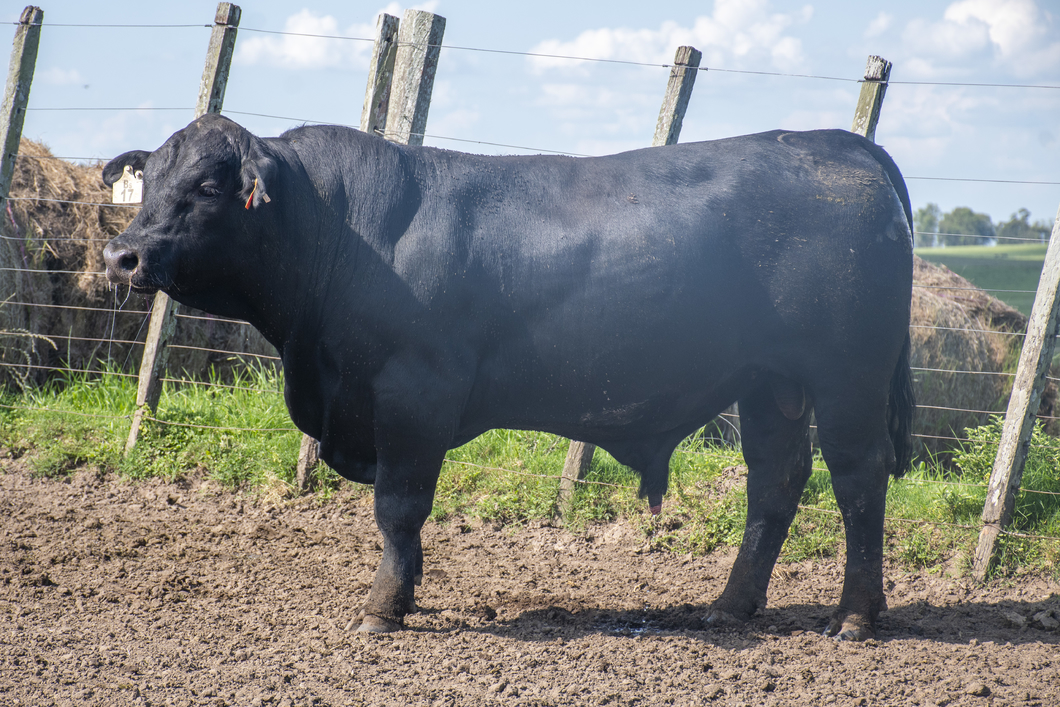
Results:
x,y
404,496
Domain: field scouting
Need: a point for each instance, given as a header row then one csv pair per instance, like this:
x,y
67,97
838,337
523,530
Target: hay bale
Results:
x,y
957,326
59,220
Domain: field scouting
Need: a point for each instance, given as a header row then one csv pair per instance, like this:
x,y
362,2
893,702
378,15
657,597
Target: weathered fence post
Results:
x,y
308,461
380,75
400,82
1042,329
16,93
678,92
667,131
163,320
419,46
575,467
873,88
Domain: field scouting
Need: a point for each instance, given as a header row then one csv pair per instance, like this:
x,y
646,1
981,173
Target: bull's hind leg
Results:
x,y
777,451
860,457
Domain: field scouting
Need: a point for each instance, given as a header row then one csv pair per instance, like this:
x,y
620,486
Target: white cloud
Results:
x,y
306,45
313,41
738,33
60,77
879,25
450,123
142,128
1016,34
598,116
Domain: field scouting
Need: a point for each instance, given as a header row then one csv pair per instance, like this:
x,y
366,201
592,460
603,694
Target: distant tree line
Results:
x,y
962,226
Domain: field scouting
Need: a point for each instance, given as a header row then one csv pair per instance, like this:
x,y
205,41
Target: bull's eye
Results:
x,y
208,191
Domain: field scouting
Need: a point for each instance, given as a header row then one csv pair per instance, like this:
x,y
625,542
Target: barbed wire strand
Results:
x,y
225,386
914,521
77,308
23,408
266,357
663,65
220,428
904,479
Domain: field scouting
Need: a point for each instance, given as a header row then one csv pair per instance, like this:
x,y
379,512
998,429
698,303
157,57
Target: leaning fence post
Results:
x,y
419,46
678,92
667,131
1037,354
16,94
380,75
873,88
163,319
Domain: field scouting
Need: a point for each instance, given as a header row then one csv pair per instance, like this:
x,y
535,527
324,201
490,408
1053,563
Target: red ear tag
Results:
x,y
251,197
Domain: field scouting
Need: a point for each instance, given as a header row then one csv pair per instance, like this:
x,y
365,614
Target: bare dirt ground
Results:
x,y
114,593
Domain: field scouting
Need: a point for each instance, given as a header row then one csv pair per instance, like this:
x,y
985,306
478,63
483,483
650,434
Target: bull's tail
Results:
x,y
900,410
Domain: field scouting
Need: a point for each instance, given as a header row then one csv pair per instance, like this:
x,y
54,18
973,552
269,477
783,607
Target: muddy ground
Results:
x,y
114,593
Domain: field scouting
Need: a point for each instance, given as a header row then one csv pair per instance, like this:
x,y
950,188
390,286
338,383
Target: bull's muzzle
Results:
x,y
125,266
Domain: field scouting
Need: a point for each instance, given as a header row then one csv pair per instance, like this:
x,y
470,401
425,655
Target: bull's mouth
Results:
x,y
145,290
134,280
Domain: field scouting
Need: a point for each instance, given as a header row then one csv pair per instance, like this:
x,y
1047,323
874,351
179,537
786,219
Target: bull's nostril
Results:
x,y
128,262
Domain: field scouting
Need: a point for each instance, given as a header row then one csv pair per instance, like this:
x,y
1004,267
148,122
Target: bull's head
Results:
x,y
198,188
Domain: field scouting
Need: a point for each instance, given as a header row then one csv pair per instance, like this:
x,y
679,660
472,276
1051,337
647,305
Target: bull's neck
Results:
x,y
317,256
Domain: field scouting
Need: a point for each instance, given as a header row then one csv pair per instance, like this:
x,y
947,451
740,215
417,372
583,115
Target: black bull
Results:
x,y
420,297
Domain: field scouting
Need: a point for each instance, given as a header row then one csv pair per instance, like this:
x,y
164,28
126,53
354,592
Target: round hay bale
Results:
x,y
18,346
955,326
61,218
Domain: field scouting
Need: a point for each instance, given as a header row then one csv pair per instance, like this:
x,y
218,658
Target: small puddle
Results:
x,y
626,627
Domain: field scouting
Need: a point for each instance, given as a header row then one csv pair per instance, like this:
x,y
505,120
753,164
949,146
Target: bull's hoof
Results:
x,y
377,624
721,619
850,627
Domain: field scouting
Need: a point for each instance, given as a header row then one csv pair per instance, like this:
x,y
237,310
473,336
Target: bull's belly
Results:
x,y
606,410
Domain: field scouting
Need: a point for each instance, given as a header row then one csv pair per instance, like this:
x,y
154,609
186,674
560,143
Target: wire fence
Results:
x,y
105,366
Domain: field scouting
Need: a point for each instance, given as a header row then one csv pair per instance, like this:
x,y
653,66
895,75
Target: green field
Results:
x,y
995,268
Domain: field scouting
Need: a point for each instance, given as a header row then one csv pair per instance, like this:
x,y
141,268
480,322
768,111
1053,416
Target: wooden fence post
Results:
x,y
667,131
163,319
678,92
380,75
16,93
873,88
1042,329
419,45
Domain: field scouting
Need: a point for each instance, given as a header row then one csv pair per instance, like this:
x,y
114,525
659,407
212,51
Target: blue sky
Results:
x,y
122,88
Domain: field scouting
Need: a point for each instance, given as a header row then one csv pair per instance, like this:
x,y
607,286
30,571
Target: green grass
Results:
x,y
1002,267
510,478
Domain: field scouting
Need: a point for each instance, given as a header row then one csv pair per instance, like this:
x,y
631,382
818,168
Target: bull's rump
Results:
x,y
647,288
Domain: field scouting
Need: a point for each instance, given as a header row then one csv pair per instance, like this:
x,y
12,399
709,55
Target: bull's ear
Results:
x,y
259,173
114,169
